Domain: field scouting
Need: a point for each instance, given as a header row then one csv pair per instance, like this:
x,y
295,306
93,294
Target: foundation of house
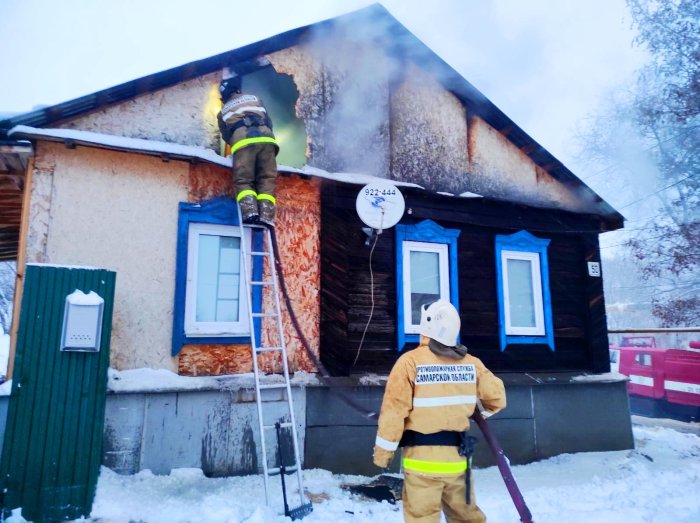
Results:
x,y
217,429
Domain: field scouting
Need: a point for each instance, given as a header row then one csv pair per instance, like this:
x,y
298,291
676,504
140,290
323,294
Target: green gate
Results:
x,y
53,439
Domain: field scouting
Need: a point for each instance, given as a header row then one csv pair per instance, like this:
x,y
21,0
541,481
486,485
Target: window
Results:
x,y
425,279
215,302
522,293
522,274
426,255
643,359
210,297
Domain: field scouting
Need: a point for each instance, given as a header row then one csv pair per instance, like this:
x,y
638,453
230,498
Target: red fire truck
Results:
x,y
663,382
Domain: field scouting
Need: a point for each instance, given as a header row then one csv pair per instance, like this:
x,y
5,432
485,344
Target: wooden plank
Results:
x,y
21,263
596,316
477,283
507,215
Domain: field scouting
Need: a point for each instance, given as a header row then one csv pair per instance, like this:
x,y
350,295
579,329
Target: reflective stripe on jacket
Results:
x,y
434,467
239,105
429,393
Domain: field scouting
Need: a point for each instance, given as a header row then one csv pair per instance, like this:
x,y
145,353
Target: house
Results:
x,y
131,179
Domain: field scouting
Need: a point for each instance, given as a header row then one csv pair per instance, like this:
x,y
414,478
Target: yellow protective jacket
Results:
x,y
430,393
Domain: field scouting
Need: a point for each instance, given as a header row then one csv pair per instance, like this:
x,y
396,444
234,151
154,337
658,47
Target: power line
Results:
x,y
657,144
681,285
648,218
655,192
626,242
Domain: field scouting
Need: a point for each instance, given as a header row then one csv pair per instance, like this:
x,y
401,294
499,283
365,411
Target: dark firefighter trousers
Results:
x,y
255,169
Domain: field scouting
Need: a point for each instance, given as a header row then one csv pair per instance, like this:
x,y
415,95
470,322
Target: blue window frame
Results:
x,y
524,300
210,297
426,270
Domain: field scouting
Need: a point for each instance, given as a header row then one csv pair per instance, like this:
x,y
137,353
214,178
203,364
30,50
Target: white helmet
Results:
x,y
440,321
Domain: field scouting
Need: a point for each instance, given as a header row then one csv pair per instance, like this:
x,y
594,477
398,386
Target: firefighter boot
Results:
x,y
249,209
267,212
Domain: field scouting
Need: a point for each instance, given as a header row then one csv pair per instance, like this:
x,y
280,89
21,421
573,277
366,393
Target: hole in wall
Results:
x,y
280,95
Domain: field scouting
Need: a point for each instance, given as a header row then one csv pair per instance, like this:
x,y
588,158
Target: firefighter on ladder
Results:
x,y
247,128
430,395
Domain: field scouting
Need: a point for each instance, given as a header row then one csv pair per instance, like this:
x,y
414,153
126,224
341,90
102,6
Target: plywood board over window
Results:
x,y
228,351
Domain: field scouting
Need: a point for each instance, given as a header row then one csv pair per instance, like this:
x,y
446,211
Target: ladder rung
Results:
x,y
268,349
261,282
285,425
273,385
260,253
275,471
265,315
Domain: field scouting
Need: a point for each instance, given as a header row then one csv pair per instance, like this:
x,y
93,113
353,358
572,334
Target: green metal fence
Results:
x,y
53,440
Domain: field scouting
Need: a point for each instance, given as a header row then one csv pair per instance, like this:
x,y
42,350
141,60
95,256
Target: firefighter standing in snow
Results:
x,y
430,394
245,125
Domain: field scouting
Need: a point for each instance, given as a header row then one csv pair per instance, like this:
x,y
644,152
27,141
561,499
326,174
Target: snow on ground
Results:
x,y
162,380
4,351
657,482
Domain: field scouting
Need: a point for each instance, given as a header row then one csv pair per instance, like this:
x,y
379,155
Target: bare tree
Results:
x,y
658,123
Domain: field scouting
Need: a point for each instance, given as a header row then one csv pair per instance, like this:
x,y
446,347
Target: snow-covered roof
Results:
x,y
122,143
189,153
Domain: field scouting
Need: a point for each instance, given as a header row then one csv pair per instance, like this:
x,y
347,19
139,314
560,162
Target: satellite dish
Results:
x,y
380,205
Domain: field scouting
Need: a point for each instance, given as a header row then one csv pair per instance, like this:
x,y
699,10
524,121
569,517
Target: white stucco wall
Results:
x,y
184,113
116,211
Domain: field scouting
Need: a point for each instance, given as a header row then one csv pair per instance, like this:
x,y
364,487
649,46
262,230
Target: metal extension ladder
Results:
x,y
261,249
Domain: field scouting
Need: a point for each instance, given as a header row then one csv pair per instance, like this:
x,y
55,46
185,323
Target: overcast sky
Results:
x,y
546,63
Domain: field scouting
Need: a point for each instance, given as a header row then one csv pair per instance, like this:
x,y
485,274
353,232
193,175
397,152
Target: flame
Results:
x,y
213,104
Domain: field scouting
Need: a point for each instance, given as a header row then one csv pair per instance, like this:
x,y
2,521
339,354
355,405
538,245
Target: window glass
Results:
x,y
218,278
521,293
524,299
426,271
211,299
215,301
426,278
643,359
425,281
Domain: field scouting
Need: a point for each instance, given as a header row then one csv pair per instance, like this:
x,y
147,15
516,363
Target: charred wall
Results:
x,y
344,101
580,329
499,169
428,134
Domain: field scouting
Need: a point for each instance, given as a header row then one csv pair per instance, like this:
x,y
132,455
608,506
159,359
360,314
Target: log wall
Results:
x,y
578,305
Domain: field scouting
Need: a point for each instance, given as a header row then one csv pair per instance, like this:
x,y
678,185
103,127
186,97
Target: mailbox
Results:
x,y
82,322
